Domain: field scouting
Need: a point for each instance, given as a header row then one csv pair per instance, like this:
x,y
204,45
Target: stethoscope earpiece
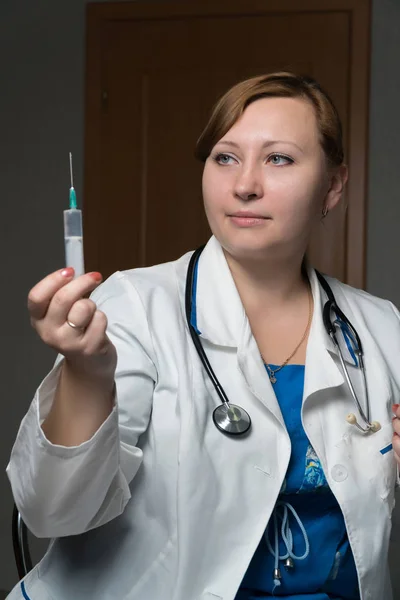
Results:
x,y
375,426
351,418
372,427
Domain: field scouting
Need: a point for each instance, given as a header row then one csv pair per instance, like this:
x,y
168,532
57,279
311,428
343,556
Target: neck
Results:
x,y
268,285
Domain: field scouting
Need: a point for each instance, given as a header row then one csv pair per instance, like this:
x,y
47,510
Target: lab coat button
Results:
x,y
339,473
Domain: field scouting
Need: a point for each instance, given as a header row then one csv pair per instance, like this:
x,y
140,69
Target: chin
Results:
x,y
247,247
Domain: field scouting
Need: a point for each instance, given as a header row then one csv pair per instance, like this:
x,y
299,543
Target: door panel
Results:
x,y
158,77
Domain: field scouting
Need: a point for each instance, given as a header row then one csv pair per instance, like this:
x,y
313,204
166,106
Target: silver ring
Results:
x,y
75,326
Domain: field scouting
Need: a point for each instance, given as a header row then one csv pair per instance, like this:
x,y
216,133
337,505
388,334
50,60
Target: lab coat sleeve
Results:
x,y
63,491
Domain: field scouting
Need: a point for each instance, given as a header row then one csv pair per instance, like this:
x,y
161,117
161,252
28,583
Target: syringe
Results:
x,y
73,235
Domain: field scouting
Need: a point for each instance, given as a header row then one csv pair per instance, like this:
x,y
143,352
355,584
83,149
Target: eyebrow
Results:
x,y
266,144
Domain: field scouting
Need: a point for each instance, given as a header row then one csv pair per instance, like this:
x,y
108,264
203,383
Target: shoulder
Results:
x,y
165,275
152,287
369,314
362,302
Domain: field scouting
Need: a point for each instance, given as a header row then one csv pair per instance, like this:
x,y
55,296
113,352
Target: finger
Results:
x,y
95,339
396,446
396,425
64,299
41,294
396,409
82,313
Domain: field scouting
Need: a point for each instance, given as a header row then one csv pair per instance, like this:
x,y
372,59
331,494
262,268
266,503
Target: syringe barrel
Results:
x,y
73,222
73,239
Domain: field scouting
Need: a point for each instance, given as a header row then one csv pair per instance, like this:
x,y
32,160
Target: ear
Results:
x,y
337,181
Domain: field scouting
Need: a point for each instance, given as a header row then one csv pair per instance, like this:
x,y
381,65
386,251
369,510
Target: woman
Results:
x,y
119,458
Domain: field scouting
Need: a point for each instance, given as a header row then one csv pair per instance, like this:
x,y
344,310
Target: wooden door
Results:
x,y
155,69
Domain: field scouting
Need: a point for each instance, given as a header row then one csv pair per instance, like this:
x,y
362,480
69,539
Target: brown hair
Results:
x,y
282,84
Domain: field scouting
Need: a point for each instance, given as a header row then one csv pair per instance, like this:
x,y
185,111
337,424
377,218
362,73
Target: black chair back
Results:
x,y
20,543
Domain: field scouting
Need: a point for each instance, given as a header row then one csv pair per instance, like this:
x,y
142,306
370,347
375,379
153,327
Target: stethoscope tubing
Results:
x,y
331,306
194,335
330,326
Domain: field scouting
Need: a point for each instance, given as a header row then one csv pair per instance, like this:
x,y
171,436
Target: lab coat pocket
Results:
x,y
383,464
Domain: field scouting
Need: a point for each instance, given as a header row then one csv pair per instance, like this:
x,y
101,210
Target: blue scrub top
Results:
x,y
329,571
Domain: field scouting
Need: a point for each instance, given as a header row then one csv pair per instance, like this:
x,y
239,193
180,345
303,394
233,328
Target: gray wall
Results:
x,y
384,153
383,196
41,120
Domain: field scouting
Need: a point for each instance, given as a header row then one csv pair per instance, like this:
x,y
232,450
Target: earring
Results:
x,y
324,212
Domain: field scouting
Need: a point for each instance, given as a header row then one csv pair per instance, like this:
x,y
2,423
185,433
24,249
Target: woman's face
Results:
x,y
266,181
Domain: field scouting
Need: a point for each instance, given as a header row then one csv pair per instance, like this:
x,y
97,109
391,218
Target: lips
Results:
x,y
248,215
246,219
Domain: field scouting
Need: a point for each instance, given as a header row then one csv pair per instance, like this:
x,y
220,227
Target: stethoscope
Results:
x,y
234,420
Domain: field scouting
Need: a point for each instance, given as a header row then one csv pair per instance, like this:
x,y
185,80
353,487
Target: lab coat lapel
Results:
x,y
321,371
221,319
219,310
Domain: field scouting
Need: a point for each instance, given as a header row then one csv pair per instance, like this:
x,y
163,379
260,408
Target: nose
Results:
x,y
248,185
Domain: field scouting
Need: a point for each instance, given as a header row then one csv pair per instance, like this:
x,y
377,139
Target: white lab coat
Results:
x,y
159,505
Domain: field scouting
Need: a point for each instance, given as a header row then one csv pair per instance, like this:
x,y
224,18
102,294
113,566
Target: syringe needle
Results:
x,y
70,169
72,194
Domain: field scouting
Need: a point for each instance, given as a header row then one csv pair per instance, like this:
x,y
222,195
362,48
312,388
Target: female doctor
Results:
x,y
287,489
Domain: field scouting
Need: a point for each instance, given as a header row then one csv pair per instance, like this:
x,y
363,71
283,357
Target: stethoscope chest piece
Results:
x,y
232,419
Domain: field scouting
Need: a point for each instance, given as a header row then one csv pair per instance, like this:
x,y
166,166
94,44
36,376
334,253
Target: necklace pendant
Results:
x,y
272,378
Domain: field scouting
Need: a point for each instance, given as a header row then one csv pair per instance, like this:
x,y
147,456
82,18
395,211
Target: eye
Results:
x,y
280,160
223,159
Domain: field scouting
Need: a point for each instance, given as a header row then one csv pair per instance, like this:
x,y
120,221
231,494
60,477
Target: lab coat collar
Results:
x,y
220,315
322,370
